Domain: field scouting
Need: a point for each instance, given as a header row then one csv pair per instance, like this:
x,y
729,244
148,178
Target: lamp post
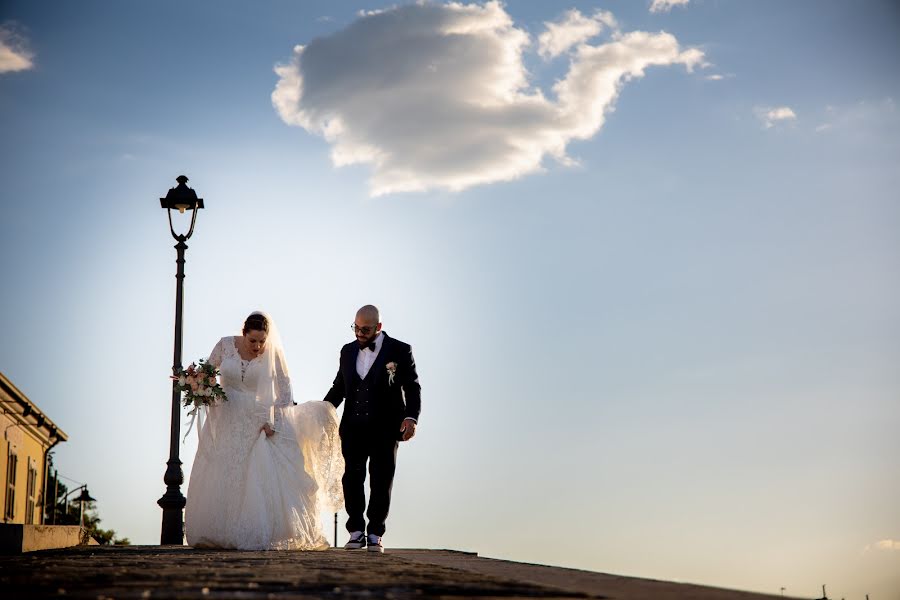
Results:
x,y
84,497
180,198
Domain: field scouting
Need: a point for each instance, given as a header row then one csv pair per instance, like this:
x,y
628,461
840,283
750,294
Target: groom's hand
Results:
x,y
408,429
268,429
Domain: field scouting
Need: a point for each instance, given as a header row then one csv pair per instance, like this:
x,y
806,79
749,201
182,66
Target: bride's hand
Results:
x,y
268,429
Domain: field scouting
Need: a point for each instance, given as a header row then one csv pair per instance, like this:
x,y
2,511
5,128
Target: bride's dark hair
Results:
x,y
256,322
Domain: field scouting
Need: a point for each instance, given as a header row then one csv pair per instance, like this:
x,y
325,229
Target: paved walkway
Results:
x,y
102,572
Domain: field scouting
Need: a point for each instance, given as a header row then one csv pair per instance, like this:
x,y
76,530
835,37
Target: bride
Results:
x,y
264,467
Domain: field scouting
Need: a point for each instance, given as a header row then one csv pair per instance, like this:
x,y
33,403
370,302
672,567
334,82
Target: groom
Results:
x,y
377,376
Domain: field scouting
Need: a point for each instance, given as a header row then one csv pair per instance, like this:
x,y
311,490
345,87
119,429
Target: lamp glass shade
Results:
x,y
181,197
85,496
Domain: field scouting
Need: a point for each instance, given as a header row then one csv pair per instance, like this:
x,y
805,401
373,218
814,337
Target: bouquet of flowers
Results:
x,y
199,384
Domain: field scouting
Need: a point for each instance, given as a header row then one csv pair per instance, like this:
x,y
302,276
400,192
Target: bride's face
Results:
x,y
255,342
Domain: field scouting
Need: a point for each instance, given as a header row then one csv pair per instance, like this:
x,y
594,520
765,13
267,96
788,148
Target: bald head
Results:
x,y
367,324
369,313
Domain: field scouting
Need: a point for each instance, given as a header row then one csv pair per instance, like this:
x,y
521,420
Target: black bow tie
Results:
x,y
370,346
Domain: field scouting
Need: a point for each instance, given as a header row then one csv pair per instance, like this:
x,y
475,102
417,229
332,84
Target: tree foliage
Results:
x,y
70,514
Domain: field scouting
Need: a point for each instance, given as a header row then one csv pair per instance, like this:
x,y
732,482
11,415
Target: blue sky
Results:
x,y
666,347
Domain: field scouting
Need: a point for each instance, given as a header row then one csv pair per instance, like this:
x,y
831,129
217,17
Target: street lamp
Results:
x,y
84,497
180,198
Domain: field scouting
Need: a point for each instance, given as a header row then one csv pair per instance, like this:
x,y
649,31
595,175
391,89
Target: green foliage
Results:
x,y
104,537
72,514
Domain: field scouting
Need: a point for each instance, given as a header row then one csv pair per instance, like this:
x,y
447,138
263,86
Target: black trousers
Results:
x,y
361,447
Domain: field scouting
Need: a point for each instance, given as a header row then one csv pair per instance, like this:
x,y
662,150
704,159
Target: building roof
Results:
x,y
20,407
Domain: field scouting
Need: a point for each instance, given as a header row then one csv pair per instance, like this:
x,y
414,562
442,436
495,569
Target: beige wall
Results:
x,y
28,449
27,434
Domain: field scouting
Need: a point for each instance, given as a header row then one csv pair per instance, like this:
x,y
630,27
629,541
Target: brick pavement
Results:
x,y
125,572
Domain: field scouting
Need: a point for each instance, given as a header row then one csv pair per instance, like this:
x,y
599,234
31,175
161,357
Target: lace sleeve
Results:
x,y
215,357
284,394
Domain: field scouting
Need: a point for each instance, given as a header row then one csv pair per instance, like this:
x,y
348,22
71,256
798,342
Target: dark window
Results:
x,y
31,492
12,462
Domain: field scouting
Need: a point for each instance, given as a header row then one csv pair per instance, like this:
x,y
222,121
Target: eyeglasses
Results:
x,y
362,330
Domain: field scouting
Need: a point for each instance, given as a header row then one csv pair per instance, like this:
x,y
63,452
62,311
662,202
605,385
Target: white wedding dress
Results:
x,y
252,492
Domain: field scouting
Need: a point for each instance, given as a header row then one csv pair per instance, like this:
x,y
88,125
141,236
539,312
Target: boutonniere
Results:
x,y
391,370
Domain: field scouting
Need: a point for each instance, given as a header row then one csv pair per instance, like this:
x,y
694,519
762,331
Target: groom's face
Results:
x,y
366,329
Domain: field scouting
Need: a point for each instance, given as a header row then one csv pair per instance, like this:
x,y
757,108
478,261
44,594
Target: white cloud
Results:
x,y
14,52
666,5
437,95
773,116
887,545
375,11
573,29
861,116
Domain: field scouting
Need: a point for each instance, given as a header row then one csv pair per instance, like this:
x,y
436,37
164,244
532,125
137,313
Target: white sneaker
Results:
x,y
375,543
357,541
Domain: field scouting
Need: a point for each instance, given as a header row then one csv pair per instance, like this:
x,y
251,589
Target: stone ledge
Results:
x,y
16,538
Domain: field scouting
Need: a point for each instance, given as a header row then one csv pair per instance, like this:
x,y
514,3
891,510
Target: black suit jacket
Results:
x,y
386,403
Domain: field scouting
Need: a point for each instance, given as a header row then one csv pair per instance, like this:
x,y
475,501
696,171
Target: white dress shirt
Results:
x,y
366,357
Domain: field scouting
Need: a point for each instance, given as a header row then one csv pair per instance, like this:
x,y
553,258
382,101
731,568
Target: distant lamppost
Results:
x,y
180,198
84,497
